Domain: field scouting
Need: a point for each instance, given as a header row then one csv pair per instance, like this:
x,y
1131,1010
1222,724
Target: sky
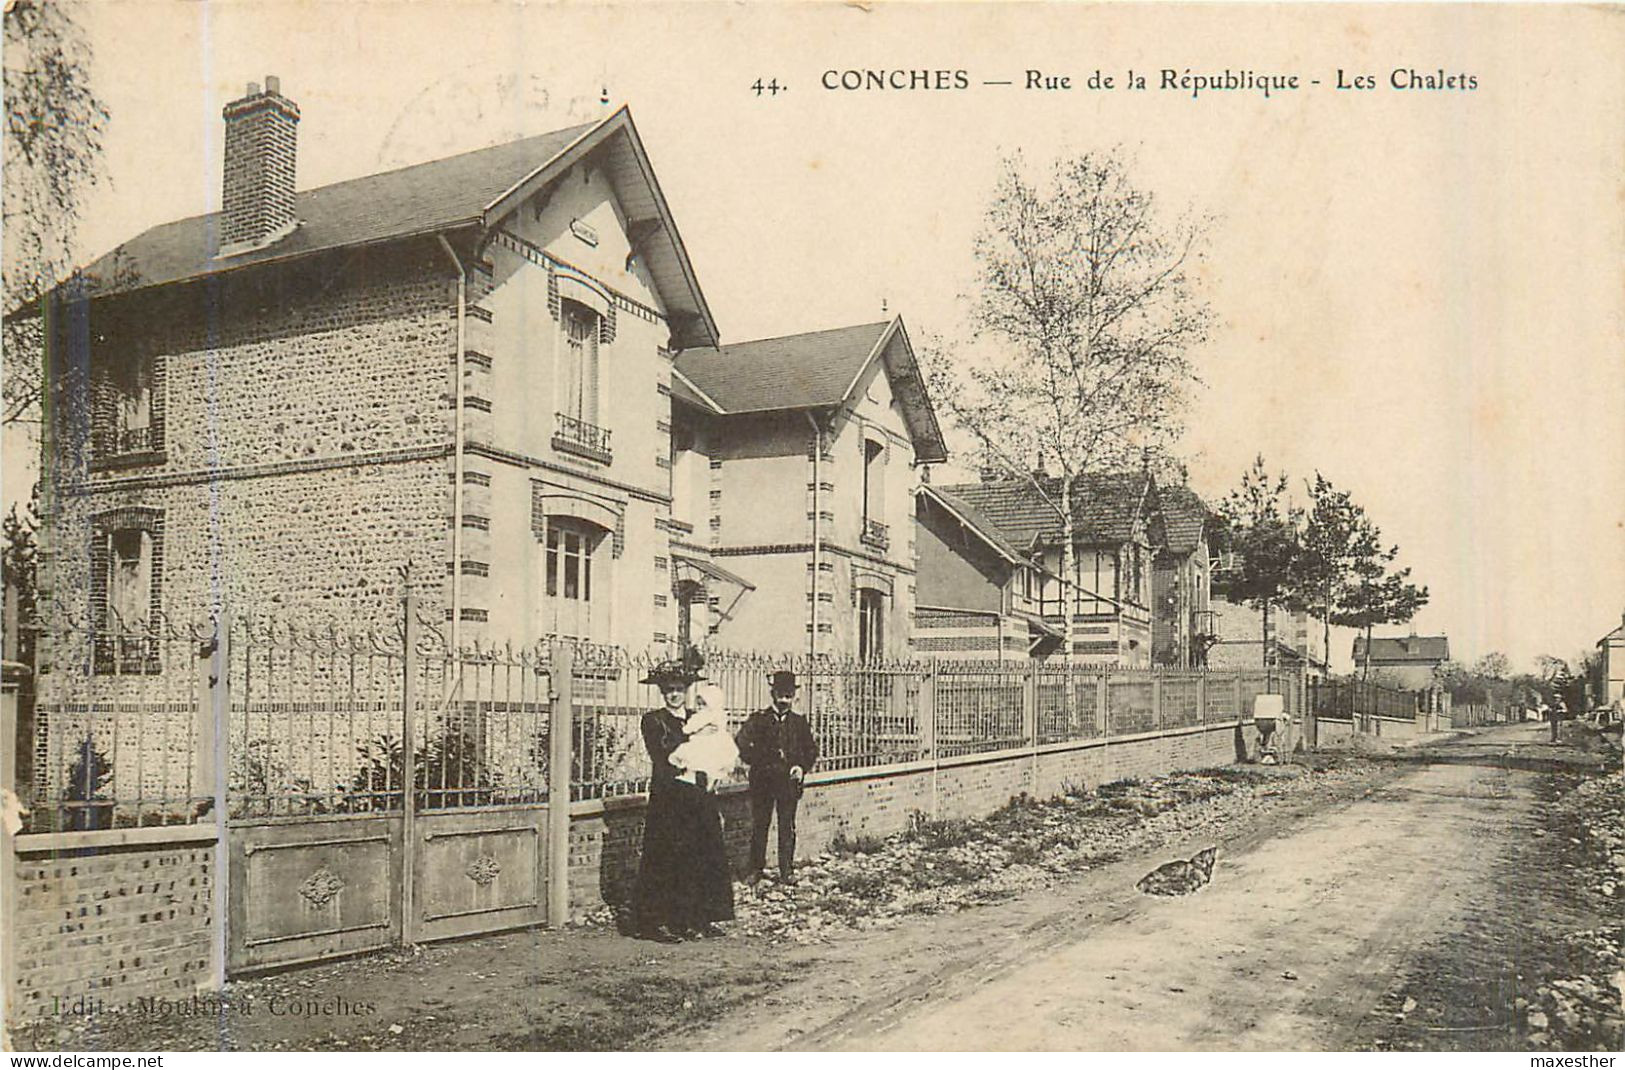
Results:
x,y
1419,293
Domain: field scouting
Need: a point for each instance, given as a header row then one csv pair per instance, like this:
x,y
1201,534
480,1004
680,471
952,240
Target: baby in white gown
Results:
x,y
709,749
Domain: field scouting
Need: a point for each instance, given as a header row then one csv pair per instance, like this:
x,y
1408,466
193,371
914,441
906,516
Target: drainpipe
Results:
x,y
812,640
457,451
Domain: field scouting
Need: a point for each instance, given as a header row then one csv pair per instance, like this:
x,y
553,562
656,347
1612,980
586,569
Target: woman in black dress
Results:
x,y
684,887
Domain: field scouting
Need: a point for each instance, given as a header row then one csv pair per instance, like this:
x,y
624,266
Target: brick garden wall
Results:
x,y
113,923
606,839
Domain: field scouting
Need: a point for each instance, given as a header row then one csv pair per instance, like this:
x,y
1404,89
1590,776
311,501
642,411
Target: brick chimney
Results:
x,y
261,144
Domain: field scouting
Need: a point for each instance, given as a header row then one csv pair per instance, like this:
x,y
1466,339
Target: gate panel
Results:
x,y
313,890
482,870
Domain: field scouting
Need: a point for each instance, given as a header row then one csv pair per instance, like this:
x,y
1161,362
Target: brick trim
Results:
x,y
496,453
253,471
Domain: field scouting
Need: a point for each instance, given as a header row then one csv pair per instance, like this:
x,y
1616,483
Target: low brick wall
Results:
x,y
606,837
110,922
1329,732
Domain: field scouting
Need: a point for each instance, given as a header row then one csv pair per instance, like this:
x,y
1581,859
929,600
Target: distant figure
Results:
x,y
778,745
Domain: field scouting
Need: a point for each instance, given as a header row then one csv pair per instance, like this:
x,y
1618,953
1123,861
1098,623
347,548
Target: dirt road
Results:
x,y
1302,931
1419,904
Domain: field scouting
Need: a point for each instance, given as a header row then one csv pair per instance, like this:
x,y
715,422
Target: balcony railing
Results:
x,y
581,438
134,439
874,534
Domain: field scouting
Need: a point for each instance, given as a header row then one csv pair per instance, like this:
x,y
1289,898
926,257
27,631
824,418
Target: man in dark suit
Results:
x,y
778,745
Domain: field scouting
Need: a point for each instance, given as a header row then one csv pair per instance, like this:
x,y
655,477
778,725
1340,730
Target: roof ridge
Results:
x,y
577,129
805,334
580,127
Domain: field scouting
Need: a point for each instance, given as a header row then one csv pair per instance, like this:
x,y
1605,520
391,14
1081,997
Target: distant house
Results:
x,y
979,595
1108,587
1612,648
793,469
1183,624
1410,662
1294,640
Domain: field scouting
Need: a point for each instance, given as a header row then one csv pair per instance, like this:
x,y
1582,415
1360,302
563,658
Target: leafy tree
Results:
x,y
19,569
53,150
1084,315
19,552
1493,666
1337,538
1264,537
1379,597
1591,674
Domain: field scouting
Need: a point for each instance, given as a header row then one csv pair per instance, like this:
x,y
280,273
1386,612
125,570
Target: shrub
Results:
x,y
88,777
938,835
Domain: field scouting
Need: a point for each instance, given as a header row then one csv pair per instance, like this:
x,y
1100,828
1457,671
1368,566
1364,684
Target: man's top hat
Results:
x,y
783,682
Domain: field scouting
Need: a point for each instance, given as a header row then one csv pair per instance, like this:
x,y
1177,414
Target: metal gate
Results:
x,y
383,789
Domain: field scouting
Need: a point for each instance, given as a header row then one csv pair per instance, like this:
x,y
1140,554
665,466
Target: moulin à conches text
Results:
x,y
1190,81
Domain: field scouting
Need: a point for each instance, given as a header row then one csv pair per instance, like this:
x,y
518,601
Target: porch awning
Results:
x,y
715,571
1039,624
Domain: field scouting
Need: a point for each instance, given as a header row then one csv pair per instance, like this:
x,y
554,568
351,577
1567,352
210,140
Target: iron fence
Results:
x,y
322,722
1346,699
117,739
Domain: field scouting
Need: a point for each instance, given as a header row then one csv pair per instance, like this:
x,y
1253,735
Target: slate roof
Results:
x,y
1415,648
473,189
1105,506
1184,514
977,521
419,199
814,370
798,371
682,391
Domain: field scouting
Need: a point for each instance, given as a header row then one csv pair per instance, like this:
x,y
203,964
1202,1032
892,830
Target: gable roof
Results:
x,y
976,522
797,371
1184,517
470,190
815,370
1106,507
1414,648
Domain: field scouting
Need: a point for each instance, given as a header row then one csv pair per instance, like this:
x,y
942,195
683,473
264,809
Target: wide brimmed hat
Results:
x,y
782,682
681,671
671,671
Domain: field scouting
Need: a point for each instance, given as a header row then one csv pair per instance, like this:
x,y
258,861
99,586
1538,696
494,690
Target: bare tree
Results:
x,y
1083,322
53,149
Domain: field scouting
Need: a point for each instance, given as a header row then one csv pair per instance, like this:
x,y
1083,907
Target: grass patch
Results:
x,y
844,846
941,835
